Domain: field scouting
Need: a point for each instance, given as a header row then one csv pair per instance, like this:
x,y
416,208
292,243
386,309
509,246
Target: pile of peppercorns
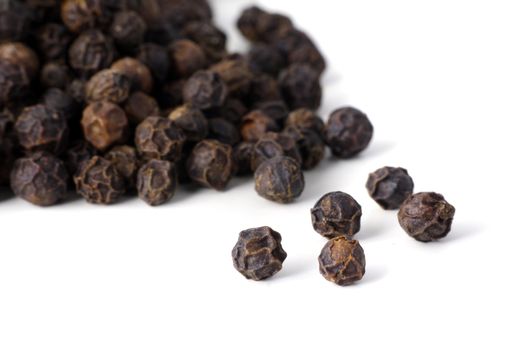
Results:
x,y
115,97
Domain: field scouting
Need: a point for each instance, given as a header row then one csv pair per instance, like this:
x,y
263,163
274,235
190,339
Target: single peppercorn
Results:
x,y
192,121
298,47
390,186
304,118
348,132
426,216
61,102
242,155
342,261
258,254
224,131
137,72
277,110
279,179
263,88
139,106
53,40
260,26
159,138
310,145
264,58
79,15
126,161
18,53
273,145
211,164
55,75
40,128
107,85
40,179
256,124
236,74
104,124
90,52
14,81
157,59
78,153
210,38
157,182
205,89
187,58
300,87
128,30
99,182
336,214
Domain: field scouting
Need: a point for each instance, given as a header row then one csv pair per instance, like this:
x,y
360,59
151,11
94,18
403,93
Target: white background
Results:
x,y
442,81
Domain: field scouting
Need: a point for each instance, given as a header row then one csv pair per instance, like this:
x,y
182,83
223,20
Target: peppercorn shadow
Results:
x,y
460,231
294,268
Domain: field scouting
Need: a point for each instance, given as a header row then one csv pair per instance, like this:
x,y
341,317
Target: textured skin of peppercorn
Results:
x,y
205,89
236,74
336,214
104,124
211,164
258,254
159,138
192,121
310,145
126,161
279,179
14,81
342,261
300,87
187,58
139,106
256,124
426,216
99,181
90,52
304,118
389,187
273,145
157,182
137,72
40,179
348,132
108,85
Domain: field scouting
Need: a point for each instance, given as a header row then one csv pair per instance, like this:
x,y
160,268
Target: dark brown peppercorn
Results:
x,y
258,254
264,58
138,73
242,155
159,138
258,25
342,261
53,40
157,182
205,89
297,47
426,216
80,152
90,52
277,110
79,15
61,102
41,179
18,53
300,87
192,121
310,145
55,75
232,110
128,30
336,214
236,74
187,58
279,179
211,164
126,161
99,181
139,106
15,20
104,124
256,124
107,85
14,81
77,89
41,129
390,186
273,145
210,38
224,131
304,118
157,59
263,88
348,132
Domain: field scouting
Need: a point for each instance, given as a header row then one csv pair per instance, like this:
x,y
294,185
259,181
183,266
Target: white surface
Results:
x,y
443,83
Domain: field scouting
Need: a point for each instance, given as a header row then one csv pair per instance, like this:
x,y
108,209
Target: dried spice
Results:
x,y
236,74
263,88
79,152
390,186
61,102
224,131
426,216
279,179
90,52
15,20
277,110
210,38
14,81
256,124
138,73
192,121
263,58
157,182
128,30
104,124
273,145
342,261
40,128
242,155
187,58
53,40
205,89
159,138
139,106
310,145
55,75
99,181
348,132
107,85
258,254
18,53
156,58
211,164
304,118
40,179
336,214
260,26
300,87
232,110
126,161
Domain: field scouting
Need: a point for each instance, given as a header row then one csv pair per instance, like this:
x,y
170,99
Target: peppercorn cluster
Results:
x,y
137,97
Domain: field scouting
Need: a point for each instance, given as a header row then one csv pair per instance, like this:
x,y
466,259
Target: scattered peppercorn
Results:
x,y
426,216
211,164
390,186
258,254
99,181
342,261
279,179
336,214
157,182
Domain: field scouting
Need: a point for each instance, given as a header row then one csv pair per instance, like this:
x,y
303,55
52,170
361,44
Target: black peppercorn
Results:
x,y
224,131
61,102
390,186
236,74
157,182
264,58
260,26
300,87
126,162
157,59
232,110
14,81
18,53
40,178
336,214
138,73
79,15
211,164
159,138
53,40
79,152
205,89
304,118
210,38
256,124
242,155
40,128
187,58
104,124
279,179
99,182
263,88
297,47
55,75
139,106
426,216
107,85
90,52
15,20
342,261
348,132
258,254
192,121
277,110
128,30
273,145
310,145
